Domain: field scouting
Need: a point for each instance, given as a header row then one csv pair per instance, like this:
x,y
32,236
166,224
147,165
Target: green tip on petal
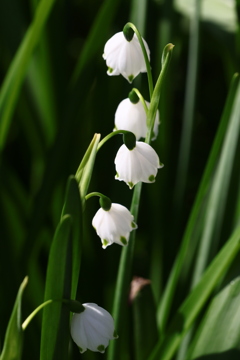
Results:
x,y
131,185
151,178
130,78
101,348
123,240
117,175
110,70
115,335
105,242
81,350
133,225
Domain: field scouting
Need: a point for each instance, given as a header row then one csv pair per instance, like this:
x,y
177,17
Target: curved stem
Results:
x,y
141,98
152,111
149,72
95,193
109,136
31,316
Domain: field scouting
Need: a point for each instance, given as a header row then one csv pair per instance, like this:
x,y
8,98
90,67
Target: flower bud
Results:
x,y
93,328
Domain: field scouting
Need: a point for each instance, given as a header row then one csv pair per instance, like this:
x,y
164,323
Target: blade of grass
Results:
x,y
213,218
189,310
189,104
217,198
13,342
16,73
73,207
165,305
55,324
222,318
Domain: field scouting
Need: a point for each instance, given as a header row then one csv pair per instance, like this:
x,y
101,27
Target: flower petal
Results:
x,y
138,164
125,57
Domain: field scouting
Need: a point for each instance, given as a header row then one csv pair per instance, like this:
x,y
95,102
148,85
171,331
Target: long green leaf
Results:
x,y
165,305
144,317
219,332
194,303
16,73
73,207
55,324
13,342
219,190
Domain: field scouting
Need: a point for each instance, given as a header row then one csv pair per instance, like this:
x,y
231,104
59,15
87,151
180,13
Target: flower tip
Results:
x,y
81,350
130,78
101,349
105,244
115,335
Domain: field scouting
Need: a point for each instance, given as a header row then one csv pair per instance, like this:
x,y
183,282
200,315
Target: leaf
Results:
x,y
190,309
55,324
185,253
73,207
220,12
84,171
219,332
144,316
16,73
13,342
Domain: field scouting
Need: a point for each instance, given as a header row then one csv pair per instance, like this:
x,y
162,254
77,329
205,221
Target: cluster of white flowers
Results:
x,y
135,162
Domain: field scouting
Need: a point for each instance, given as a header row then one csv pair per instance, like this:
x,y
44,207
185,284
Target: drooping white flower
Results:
x,y
132,117
114,225
124,57
93,328
139,164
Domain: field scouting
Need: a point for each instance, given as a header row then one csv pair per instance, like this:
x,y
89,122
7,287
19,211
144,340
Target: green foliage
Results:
x,y
54,343
222,320
13,342
55,101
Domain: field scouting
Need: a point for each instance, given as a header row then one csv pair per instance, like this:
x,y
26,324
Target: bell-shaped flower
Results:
x,y
139,164
92,328
125,57
132,117
114,225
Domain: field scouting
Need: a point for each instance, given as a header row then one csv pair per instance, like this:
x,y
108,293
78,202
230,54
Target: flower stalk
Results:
x,y
148,66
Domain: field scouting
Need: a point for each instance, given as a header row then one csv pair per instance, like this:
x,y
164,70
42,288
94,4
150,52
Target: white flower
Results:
x,y
139,164
125,57
132,117
114,225
93,328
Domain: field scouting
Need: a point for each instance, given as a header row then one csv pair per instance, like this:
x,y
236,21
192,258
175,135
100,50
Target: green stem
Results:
x,y
152,111
141,98
123,279
95,193
188,114
149,72
40,307
109,136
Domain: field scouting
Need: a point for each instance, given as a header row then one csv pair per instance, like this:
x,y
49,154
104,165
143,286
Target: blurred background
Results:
x,y
65,97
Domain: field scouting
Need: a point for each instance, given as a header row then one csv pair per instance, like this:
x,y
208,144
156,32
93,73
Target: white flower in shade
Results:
x,y
132,117
139,164
125,57
114,225
93,328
